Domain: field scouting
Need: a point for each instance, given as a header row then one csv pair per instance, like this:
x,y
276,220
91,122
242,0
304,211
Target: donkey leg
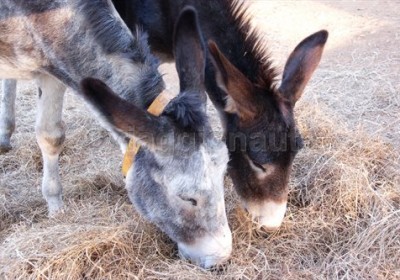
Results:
x,y
50,135
7,114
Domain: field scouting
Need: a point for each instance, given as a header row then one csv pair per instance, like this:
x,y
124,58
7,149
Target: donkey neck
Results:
x,y
224,21
106,49
74,39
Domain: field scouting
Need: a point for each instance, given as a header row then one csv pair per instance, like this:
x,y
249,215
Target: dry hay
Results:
x,y
343,219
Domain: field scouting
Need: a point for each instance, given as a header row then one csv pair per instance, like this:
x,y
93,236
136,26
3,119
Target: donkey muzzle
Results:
x,y
210,250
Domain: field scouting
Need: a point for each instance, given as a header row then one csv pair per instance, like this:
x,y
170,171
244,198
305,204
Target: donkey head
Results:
x,y
177,177
263,139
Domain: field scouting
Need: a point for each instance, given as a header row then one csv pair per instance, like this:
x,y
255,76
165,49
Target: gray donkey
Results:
x,y
177,177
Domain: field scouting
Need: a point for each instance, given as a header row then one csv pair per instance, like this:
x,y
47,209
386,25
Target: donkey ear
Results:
x,y
234,83
301,65
189,52
122,114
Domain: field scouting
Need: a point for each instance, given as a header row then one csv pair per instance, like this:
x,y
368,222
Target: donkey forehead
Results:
x,y
270,139
209,153
193,148
200,167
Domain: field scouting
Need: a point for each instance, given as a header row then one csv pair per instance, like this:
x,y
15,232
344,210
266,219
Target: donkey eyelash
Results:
x,y
258,165
255,164
191,200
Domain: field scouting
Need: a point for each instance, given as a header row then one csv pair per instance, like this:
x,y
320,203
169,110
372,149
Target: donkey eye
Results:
x,y
259,166
190,200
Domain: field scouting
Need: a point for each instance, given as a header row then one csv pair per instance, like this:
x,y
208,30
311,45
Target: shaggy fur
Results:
x,y
177,177
177,185
241,82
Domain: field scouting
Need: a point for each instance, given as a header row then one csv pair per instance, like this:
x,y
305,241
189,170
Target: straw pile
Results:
x,y
343,219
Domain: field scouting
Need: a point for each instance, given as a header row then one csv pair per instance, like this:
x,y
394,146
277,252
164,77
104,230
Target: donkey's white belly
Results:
x,y
16,74
22,70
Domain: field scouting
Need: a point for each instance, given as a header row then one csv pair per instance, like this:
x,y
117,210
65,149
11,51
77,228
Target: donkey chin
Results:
x,y
210,250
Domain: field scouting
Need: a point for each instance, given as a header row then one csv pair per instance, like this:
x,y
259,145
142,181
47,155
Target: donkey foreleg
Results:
x,y
7,114
50,135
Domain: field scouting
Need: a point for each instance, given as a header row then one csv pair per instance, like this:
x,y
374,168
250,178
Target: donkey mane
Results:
x,y
187,111
252,55
112,34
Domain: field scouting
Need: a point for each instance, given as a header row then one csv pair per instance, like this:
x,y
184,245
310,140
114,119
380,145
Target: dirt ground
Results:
x,y
343,219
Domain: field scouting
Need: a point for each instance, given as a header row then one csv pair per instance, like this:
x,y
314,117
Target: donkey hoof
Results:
x,y
55,207
54,213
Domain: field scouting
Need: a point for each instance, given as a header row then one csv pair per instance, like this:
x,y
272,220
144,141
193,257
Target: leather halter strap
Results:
x,y
156,108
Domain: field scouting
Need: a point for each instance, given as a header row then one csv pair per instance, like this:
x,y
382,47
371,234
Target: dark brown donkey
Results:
x,y
257,114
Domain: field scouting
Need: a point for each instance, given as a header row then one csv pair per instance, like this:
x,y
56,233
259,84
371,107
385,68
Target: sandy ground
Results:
x,y
358,79
356,88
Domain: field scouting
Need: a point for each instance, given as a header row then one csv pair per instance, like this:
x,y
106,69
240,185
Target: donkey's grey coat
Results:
x,y
60,42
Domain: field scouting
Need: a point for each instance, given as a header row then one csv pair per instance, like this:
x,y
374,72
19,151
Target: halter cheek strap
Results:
x,y
156,108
